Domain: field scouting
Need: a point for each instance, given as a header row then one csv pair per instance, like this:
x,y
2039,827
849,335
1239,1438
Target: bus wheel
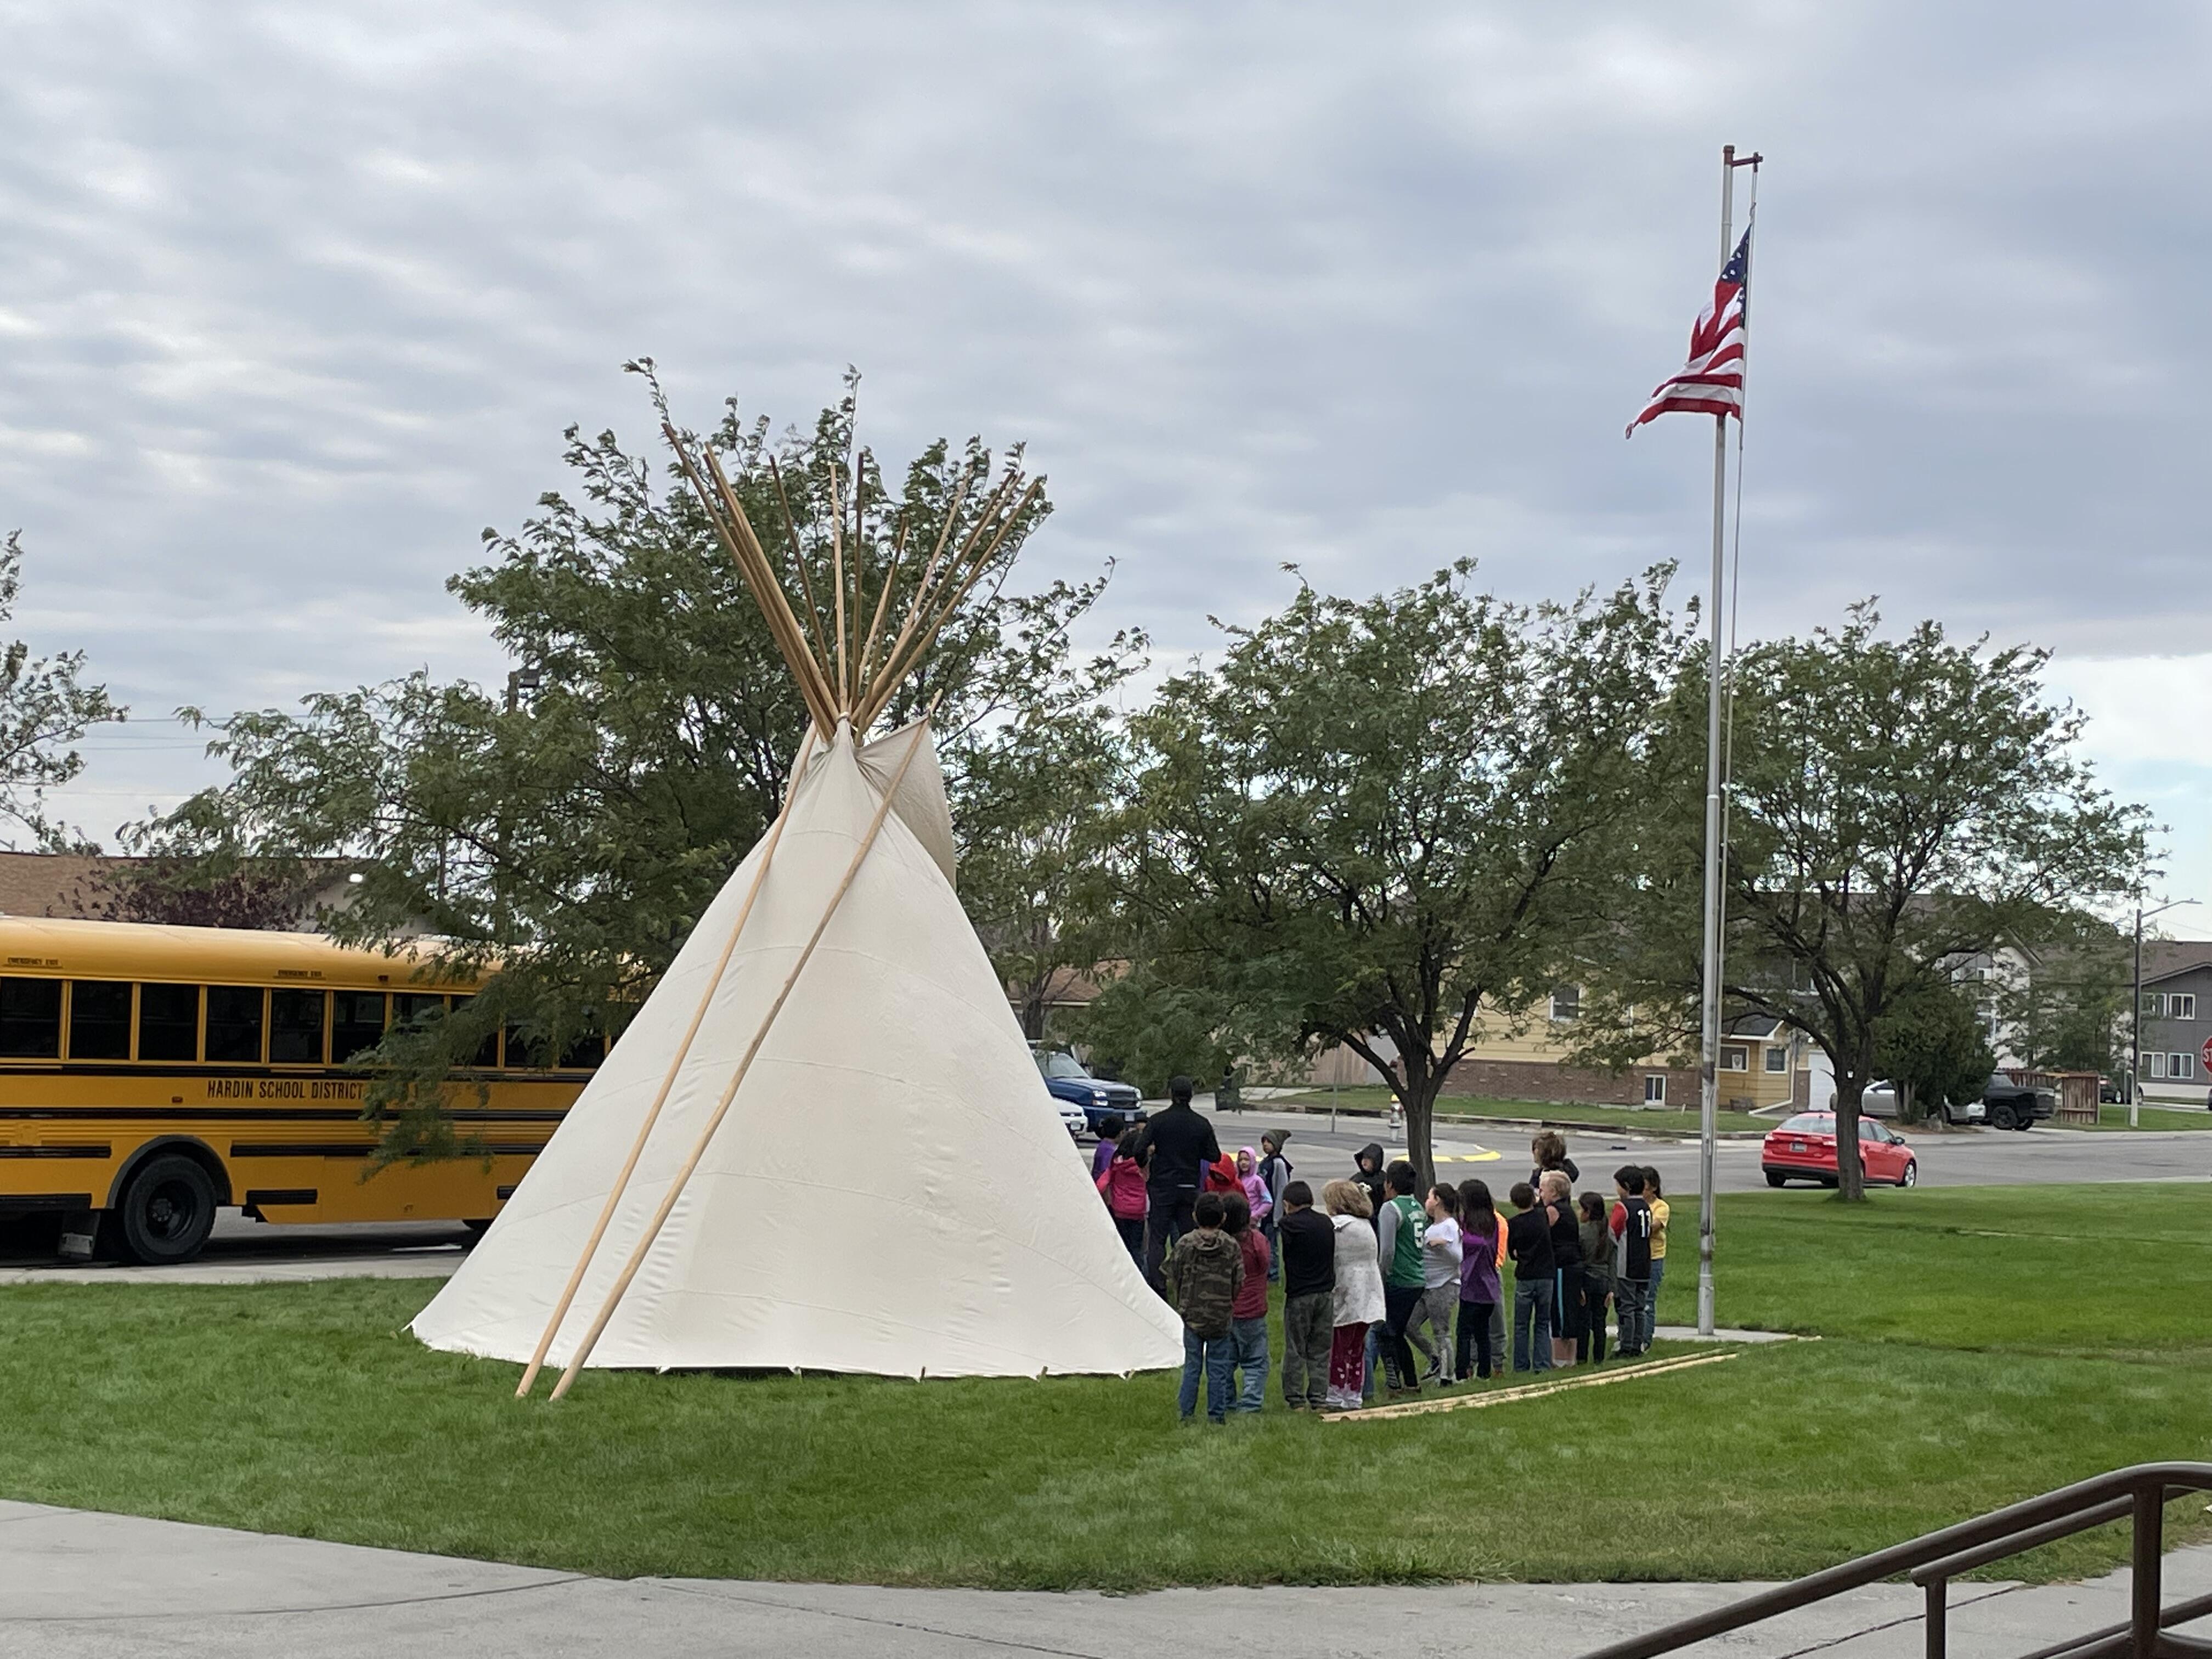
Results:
x,y
167,1211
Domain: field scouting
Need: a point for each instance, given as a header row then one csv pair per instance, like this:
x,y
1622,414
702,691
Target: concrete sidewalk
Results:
x,y
74,1583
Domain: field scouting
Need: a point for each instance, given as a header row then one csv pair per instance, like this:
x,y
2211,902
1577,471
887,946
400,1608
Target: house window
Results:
x,y
2181,1006
1567,1002
1655,1089
2154,1004
2180,1065
1737,1059
1778,1059
2157,1065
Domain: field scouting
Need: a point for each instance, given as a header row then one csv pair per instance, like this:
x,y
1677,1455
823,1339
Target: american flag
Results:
x,y
1711,382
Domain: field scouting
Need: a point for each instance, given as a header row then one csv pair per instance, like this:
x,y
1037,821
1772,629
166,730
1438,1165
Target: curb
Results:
x,y
1263,1108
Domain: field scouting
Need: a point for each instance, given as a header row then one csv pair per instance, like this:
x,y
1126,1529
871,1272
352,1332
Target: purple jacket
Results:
x,y
1102,1157
1478,1266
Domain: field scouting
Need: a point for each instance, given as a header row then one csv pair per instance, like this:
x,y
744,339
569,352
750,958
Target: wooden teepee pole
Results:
x,y
721,1110
736,532
668,1081
799,562
837,580
896,668
936,555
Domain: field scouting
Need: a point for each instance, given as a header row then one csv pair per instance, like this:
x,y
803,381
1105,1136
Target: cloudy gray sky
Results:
x,y
294,299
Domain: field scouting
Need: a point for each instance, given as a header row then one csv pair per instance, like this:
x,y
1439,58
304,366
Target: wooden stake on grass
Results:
x,y
1528,1391
668,1082
721,1110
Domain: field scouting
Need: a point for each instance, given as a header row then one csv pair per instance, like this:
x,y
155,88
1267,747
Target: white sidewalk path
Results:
x,y
74,1583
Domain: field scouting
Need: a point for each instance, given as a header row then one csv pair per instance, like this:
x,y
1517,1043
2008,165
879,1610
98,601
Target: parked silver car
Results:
x,y
1880,1100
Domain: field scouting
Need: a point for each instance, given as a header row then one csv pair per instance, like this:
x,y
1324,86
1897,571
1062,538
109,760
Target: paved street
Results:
x,y
244,1251
1962,1158
75,1585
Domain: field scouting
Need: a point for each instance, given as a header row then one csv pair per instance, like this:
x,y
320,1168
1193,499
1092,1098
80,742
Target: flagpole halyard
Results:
x,y
1716,903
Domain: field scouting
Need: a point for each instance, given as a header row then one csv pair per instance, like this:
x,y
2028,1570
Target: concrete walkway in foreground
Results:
x,y
74,1583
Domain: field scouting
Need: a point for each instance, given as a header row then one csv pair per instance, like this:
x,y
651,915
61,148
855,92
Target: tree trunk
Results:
x,y
1851,1173
1418,1096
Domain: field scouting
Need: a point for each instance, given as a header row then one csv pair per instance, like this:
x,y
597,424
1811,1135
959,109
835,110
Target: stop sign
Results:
x,y
2206,1053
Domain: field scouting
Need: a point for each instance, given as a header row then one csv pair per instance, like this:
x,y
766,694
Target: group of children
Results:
x,y
1371,1278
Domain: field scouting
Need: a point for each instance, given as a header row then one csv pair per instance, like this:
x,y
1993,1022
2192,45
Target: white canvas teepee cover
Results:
x,y
891,1191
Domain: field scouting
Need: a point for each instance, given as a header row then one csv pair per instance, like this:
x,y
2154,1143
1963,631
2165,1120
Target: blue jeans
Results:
x,y
1215,1355
1632,1297
1249,1339
1651,1299
1374,1358
1532,1323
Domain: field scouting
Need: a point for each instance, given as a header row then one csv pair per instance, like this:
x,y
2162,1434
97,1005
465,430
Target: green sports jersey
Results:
x,y
1404,1267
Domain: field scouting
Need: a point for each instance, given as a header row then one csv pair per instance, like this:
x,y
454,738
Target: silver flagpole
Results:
x,y
1709,1047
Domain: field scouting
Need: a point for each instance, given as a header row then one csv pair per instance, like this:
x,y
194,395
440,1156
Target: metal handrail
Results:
x,y
1932,1561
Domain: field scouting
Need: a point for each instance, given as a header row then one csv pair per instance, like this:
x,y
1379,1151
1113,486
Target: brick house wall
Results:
x,y
1571,1086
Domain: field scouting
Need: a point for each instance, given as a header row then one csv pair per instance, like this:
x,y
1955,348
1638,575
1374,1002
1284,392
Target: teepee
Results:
x,y
821,1142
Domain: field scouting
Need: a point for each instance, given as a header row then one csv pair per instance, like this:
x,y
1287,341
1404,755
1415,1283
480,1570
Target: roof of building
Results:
x,y
1753,1025
2162,958
48,883
65,884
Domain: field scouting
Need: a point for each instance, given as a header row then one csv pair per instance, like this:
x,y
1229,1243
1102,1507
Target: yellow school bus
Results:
x,y
151,1075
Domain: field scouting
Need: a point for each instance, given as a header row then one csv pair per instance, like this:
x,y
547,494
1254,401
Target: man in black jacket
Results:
x,y
1179,1143
1309,1293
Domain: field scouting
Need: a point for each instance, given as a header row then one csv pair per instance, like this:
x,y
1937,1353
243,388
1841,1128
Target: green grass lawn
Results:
x,y
2110,1117
1980,1345
1464,1110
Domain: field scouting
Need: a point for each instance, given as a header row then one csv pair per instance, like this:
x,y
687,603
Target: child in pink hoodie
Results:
x,y
1257,1199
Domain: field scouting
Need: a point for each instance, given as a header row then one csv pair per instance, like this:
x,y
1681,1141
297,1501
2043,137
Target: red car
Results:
x,y
1804,1149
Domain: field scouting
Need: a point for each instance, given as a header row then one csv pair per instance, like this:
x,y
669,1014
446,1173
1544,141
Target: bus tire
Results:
x,y
167,1211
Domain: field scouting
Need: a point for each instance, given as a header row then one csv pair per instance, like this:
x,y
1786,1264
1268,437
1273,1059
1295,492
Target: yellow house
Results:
x,y
1760,1063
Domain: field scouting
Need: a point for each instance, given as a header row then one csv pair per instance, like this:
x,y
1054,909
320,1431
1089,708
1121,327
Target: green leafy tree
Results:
x,y
570,835
1933,1045
2066,1011
45,708
1379,819
1145,1028
1900,806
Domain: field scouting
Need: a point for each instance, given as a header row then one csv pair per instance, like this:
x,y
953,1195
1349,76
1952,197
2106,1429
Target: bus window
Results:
x,y
523,1055
356,1023
585,1054
416,1008
295,1028
487,1054
168,1022
233,1022
99,1019
31,1018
